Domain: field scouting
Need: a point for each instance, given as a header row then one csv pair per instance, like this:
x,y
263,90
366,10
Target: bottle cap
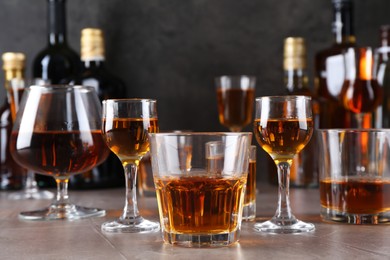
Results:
x,y
92,44
13,60
294,53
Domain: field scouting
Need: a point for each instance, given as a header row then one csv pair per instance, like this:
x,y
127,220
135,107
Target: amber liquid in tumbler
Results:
x,y
235,107
355,195
128,137
283,138
200,204
250,192
361,96
59,153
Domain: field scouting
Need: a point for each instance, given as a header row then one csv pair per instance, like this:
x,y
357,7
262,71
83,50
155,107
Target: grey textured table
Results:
x,y
83,239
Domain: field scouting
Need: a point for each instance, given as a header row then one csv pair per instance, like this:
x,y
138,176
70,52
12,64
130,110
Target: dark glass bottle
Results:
x,y
11,174
329,68
95,74
57,60
383,76
304,169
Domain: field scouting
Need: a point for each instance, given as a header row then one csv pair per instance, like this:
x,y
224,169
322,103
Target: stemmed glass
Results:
x,y
361,93
283,125
57,132
125,128
235,95
15,91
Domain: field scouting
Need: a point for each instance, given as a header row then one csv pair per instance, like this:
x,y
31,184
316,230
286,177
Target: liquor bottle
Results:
x,y
95,74
329,68
57,61
304,169
11,174
383,77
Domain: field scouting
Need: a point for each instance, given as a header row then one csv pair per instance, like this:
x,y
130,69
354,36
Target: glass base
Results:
x,y
359,219
31,194
65,212
281,227
131,225
201,240
249,211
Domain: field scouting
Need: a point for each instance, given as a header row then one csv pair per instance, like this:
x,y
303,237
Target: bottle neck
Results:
x,y
343,28
295,80
56,22
13,74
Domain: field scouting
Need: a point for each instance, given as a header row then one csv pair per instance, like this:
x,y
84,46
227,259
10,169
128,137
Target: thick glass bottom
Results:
x,y
276,227
350,218
131,225
201,240
34,194
65,212
249,211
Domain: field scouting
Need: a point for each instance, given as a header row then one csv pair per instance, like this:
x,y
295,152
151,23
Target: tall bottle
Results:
x,y
329,68
110,173
11,174
383,77
304,169
57,60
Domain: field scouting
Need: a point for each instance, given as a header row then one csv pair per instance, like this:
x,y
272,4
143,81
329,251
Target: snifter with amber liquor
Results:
x,y
201,205
283,125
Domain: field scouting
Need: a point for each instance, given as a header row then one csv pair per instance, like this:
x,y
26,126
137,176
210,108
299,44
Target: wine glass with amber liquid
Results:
x,y
125,128
235,96
57,132
283,125
361,93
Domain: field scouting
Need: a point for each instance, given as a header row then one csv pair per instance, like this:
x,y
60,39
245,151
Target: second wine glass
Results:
x,y
283,126
235,95
125,128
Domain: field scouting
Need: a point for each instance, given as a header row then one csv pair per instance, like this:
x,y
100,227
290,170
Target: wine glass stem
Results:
x,y
131,207
283,215
62,192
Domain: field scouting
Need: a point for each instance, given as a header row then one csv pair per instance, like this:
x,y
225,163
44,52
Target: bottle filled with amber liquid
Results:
x,y
95,74
11,174
382,115
329,68
304,169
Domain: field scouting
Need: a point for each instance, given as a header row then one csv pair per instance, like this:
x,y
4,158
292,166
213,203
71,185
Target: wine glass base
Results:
x,y
34,195
131,225
65,212
296,227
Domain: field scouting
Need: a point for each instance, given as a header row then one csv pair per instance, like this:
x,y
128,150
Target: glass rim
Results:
x,y
123,100
287,97
64,87
201,134
235,76
353,130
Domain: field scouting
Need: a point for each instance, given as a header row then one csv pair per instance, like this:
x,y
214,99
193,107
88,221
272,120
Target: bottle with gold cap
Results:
x,y
95,74
304,169
11,174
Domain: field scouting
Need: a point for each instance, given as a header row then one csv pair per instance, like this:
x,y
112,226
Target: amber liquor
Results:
x,y
200,204
235,107
283,138
356,195
250,192
128,137
59,153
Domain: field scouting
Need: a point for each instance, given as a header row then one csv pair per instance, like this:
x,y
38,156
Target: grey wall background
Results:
x,y
171,50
